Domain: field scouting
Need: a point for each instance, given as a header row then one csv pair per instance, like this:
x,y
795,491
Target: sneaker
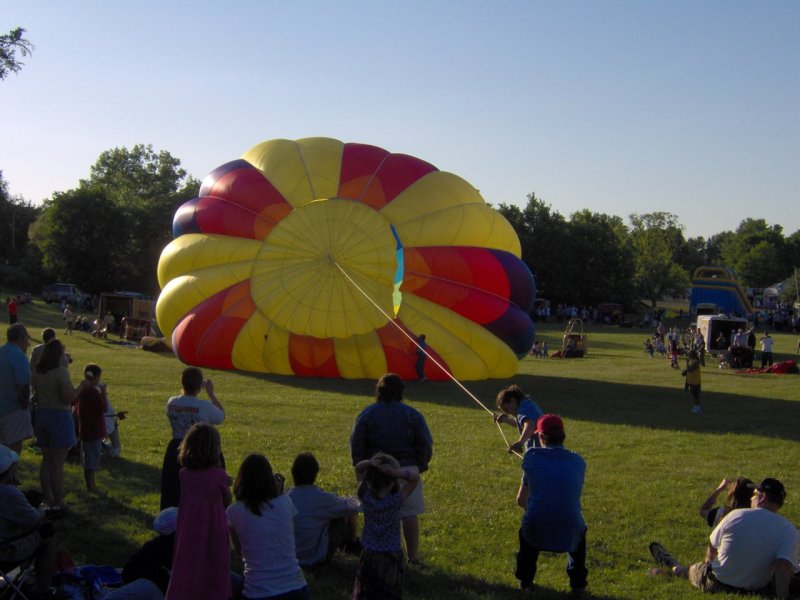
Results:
x,y
696,409
661,556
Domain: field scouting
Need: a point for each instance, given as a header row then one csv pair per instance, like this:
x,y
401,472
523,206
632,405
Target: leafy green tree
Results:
x,y
81,236
140,189
656,239
693,253
600,247
11,43
16,215
758,253
543,236
791,293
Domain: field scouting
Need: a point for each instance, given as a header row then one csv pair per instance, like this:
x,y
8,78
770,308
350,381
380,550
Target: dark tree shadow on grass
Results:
x,y
599,402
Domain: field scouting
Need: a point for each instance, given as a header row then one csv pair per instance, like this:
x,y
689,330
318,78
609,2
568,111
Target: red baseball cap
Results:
x,y
549,423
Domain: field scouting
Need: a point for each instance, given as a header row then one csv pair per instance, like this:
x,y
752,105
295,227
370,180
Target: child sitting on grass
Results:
x,y
90,408
518,409
380,568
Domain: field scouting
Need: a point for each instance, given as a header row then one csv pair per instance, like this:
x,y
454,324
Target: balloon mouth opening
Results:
x,y
397,295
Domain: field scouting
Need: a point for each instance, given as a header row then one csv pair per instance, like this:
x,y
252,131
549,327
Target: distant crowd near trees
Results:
x,y
108,233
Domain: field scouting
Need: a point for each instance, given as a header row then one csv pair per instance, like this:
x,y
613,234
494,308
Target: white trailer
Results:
x,y
712,325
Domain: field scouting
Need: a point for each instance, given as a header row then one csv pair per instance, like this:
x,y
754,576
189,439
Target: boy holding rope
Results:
x,y
518,409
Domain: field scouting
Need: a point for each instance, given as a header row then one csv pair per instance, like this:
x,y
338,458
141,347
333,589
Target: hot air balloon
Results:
x,y
321,258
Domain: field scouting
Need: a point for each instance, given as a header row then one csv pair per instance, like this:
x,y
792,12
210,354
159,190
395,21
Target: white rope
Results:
x,y
421,349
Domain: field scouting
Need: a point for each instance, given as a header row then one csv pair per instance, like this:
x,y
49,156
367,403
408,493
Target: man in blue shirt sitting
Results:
x,y
550,493
324,522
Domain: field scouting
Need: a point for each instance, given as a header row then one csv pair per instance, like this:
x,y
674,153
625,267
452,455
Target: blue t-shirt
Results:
x,y
14,371
528,409
553,520
315,510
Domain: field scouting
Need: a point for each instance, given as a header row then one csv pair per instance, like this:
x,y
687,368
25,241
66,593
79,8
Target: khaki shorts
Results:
x,y
415,503
701,577
15,426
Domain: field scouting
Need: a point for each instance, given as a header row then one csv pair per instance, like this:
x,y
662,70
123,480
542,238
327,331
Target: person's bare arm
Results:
x,y
712,499
522,495
784,570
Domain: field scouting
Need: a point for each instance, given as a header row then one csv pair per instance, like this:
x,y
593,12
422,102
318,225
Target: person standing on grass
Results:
x,y
69,320
15,420
392,427
12,307
766,350
183,412
201,564
379,575
419,366
55,427
692,375
751,550
518,409
90,407
550,494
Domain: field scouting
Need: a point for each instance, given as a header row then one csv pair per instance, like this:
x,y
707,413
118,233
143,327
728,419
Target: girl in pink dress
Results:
x,y
201,564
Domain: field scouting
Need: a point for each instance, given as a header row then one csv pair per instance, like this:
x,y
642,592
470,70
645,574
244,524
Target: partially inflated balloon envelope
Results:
x,y
322,258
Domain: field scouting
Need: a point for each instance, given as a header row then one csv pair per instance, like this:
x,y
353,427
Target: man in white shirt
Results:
x,y
748,550
766,350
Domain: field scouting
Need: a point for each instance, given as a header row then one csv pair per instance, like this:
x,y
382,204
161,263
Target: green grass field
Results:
x,y
651,463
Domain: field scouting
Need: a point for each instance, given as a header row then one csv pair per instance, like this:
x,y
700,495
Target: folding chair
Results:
x,y
14,573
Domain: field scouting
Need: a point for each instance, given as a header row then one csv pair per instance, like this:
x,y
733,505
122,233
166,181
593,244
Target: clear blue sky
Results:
x,y
691,107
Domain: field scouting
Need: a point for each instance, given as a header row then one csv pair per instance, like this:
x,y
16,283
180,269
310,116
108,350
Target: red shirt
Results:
x,y
91,406
12,308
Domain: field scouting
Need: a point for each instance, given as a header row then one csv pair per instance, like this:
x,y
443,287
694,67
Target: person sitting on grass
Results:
x,y
518,409
90,408
751,550
324,522
261,532
740,490
145,575
25,525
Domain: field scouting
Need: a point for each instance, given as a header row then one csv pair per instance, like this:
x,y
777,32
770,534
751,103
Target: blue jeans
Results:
x,y
528,556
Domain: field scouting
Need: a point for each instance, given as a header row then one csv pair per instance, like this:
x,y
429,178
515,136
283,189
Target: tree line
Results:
x,y
593,257
108,232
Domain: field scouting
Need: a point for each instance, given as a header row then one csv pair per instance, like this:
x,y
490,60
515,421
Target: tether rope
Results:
x,y
413,340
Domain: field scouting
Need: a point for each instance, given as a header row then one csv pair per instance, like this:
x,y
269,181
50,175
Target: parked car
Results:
x,y
56,292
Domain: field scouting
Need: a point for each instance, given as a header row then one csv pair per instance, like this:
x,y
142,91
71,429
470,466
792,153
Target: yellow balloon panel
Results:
x,y
360,356
469,350
183,293
475,225
302,170
304,276
196,251
261,347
